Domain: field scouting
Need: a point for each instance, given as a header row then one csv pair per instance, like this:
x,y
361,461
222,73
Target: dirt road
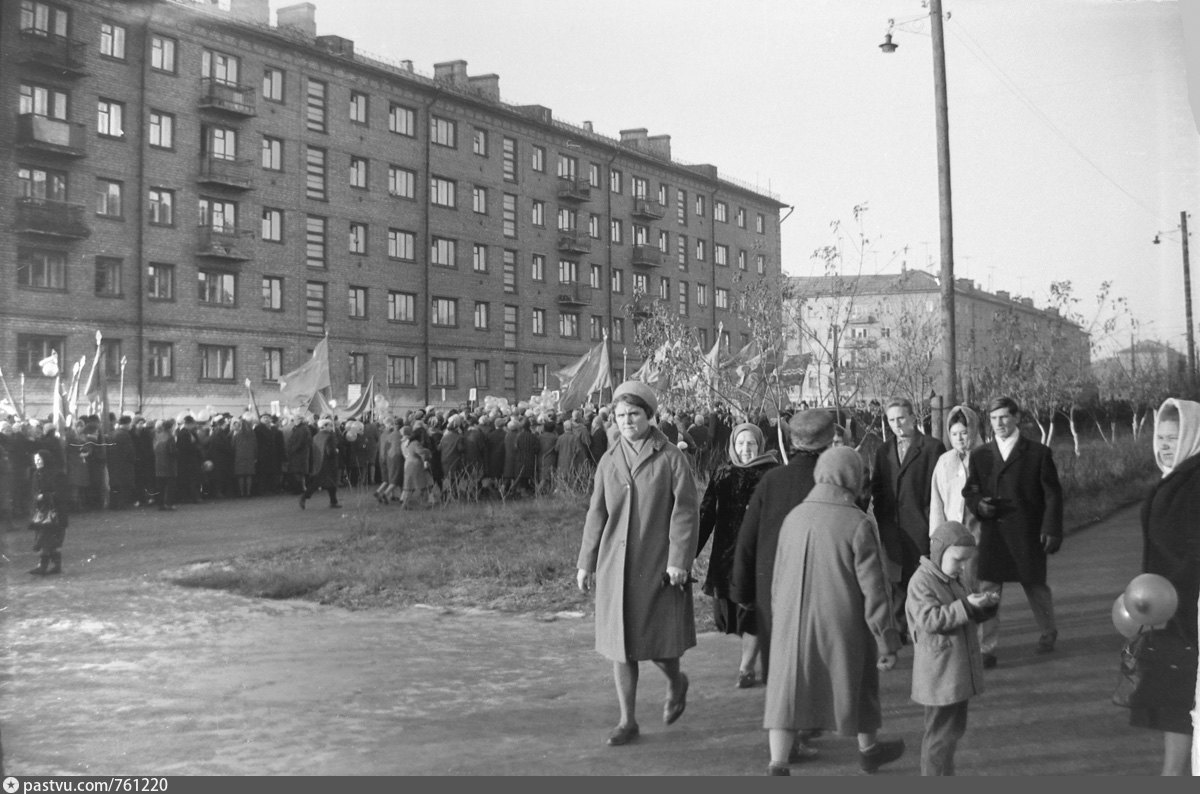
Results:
x,y
110,669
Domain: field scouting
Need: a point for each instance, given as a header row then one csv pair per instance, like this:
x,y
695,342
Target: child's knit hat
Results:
x,y
950,533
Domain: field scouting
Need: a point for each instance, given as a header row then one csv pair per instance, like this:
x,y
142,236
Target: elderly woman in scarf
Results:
x,y
1171,549
721,513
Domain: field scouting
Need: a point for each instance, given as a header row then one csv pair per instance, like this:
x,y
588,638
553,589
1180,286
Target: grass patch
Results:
x,y
519,555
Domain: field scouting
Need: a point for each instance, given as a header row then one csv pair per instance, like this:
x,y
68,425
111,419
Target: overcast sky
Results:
x,y
1072,141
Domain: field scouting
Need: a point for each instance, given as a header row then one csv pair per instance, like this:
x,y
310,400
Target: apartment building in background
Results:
x,y
214,193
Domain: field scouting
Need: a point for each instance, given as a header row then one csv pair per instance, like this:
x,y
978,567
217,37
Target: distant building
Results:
x,y
213,193
893,322
1140,370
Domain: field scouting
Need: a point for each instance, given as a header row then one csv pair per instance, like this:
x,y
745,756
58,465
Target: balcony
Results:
x,y
574,242
225,173
51,135
227,98
52,54
648,209
224,242
647,256
574,188
51,219
574,294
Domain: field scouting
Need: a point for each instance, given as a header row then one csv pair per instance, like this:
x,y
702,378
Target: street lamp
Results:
x,y
945,216
1187,295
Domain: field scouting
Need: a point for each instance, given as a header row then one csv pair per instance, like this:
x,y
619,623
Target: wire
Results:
x,y
977,50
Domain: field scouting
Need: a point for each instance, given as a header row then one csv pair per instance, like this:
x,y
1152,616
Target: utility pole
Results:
x,y
945,216
1187,298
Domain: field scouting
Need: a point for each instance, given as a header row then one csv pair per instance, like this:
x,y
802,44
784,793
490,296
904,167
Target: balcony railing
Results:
x,y
574,242
574,188
237,100
55,136
229,173
51,218
648,208
575,294
52,53
224,242
647,255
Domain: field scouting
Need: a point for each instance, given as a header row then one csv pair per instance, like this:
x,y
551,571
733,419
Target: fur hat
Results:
x,y
949,533
812,429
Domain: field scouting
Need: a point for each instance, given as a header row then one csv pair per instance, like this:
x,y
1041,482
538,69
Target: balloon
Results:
x,y
1125,623
1150,599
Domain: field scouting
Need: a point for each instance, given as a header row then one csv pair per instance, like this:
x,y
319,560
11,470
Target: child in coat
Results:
x,y
947,662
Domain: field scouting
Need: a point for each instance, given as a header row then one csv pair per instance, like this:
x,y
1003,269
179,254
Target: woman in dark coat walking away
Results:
x,y
1171,548
324,472
49,521
639,543
721,513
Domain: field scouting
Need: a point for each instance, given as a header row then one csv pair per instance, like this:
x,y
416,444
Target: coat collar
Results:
x,y
654,442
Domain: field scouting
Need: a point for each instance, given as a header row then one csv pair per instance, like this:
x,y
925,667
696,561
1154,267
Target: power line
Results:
x,y
977,50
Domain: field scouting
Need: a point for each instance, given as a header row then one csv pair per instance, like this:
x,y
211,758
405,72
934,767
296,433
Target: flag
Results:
x,y
712,359
253,403
96,391
652,372
300,386
791,371
365,404
591,373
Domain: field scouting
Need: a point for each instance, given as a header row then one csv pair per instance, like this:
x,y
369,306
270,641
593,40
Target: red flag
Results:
x,y
299,386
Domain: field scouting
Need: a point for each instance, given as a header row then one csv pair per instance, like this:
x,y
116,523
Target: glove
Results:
x,y
987,507
1051,543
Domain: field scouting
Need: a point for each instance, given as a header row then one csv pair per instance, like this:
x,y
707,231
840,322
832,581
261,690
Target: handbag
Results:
x,y
1157,671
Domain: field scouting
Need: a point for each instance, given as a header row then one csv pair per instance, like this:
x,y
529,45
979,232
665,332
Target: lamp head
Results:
x,y
1157,240
888,46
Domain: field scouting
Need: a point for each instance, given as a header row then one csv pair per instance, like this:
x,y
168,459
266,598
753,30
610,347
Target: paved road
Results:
x,y
110,669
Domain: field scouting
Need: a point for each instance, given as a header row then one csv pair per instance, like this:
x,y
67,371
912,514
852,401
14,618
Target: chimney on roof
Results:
x,y
964,284
406,65
257,11
453,72
1002,294
336,45
1027,301
301,17
659,145
587,125
486,85
635,137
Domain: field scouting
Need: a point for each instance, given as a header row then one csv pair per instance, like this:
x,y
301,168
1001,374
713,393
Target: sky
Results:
x,y
1072,142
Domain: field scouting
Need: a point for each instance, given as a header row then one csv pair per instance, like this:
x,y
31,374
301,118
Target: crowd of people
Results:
x,y
828,565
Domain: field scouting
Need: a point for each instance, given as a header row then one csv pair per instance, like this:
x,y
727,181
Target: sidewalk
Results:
x,y
112,670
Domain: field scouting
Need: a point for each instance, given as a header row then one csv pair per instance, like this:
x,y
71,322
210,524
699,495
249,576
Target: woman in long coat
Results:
x,y
946,502
418,484
1171,548
833,626
721,513
639,542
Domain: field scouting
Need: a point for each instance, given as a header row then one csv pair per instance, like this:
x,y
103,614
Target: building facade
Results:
x,y
884,332
214,193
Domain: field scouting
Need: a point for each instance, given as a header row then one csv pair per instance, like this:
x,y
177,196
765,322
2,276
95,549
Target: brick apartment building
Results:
x,y
213,193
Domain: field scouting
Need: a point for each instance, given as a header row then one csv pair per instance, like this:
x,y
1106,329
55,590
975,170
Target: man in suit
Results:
x,y
901,479
1013,487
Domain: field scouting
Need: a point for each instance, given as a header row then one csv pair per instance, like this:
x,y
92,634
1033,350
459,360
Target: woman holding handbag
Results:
x,y
1171,549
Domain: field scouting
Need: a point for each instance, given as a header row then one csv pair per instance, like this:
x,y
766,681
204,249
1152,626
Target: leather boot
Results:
x,y
55,563
40,570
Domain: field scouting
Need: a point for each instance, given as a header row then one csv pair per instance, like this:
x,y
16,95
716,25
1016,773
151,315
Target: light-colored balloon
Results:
x,y
1151,599
1123,622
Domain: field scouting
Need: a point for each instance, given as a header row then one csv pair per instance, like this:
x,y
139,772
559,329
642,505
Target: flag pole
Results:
x,y
121,391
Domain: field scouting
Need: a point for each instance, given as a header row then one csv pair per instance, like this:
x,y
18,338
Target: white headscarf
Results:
x,y
1189,431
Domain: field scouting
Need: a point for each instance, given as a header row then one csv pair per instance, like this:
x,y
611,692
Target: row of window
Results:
x,y
225,69
219,363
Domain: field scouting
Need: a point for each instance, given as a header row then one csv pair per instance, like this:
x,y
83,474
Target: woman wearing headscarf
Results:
x,y
833,627
946,501
721,513
639,542
1171,548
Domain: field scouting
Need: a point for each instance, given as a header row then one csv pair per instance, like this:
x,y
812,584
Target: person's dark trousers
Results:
x,y
312,489
166,493
944,726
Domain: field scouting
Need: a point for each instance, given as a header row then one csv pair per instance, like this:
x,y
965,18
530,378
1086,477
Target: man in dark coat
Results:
x,y
1013,487
901,480
299,444
324,471
143,461
121,465
188,446
166,462
268,462
494,463
779,490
